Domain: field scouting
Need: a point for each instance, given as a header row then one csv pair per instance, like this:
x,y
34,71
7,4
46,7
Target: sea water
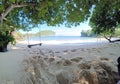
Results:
x,y
63,39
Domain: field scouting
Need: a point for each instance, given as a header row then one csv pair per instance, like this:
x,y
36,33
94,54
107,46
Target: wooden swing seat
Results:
x,y
29,46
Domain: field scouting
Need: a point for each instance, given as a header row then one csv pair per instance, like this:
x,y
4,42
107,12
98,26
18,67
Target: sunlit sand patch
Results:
x,y
15,47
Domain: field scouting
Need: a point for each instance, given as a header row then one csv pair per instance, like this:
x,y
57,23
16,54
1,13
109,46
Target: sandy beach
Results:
x,y
59,63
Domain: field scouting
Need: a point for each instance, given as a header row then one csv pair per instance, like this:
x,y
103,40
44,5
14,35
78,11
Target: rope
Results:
x,y
40,34
29,45
28,37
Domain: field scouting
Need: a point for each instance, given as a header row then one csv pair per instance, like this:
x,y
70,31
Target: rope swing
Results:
x,y
30,45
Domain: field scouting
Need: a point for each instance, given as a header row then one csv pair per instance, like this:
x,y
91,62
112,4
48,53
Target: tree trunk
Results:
x,y
0,23
4,43
111,41
3,48
115,41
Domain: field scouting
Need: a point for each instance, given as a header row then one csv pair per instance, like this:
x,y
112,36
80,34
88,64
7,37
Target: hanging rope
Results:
x,y
30,45
40,34
28,37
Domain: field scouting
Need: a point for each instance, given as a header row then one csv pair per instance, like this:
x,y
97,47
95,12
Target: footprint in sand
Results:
x,y
67,63
111,54
74,50
82,49
77,59
104,59
51,59
59,56
57,52
94,49
98,51
84,66
60,62
65,52
45,58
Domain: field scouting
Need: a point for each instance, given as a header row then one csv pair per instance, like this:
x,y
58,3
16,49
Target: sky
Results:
x,y
62,30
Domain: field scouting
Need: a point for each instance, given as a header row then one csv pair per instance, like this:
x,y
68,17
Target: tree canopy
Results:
x,y
105,17
29,13
26,14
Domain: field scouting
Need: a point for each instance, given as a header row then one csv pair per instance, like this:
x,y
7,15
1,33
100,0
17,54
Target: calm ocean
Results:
x,y
65,39
60,38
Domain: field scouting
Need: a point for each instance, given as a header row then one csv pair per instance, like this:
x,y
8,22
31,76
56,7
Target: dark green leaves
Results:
x,y
105,16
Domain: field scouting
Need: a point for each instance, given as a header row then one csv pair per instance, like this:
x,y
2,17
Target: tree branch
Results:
x,y
109,39
11,8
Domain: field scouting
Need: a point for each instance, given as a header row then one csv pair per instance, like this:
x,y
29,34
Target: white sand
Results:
x,y
11,62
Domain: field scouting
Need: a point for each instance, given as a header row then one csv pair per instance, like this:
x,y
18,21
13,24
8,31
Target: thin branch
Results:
x,y
109,39
10,8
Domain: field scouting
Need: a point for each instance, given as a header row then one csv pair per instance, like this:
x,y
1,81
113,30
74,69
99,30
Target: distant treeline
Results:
x,y
90,33
46,33
42,33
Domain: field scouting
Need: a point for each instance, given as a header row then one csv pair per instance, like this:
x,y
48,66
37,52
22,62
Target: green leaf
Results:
x,y
1,8
12,1
50,3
